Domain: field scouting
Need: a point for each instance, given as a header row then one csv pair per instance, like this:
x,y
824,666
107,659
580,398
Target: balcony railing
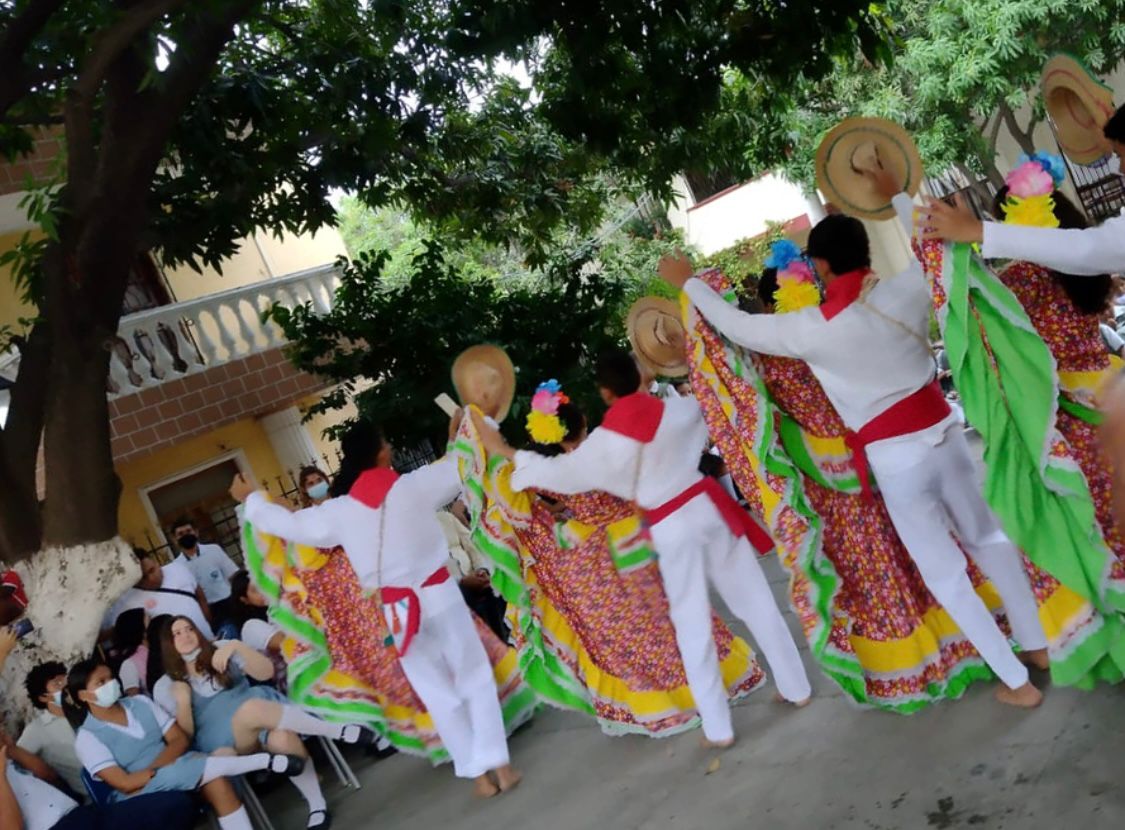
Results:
x,y
182,339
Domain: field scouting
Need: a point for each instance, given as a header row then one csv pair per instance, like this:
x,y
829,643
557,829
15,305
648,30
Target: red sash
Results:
x,y
913,413
737,519
391,594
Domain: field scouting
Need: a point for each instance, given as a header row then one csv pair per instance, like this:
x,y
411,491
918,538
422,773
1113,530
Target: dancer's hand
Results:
x,y
240,488
675,269
952,223
884,181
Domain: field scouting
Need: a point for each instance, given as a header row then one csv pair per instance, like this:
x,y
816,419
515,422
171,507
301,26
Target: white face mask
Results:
x,y
318,491
56,697
192,656
107,694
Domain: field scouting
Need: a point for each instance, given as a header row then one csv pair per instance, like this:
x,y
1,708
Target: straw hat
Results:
x,y
484,375
1079,105
658,336
858,144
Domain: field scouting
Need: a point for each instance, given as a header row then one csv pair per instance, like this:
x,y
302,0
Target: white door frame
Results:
x,y
237,456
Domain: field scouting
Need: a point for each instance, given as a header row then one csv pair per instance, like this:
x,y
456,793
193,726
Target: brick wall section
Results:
x,y
158,417
40,165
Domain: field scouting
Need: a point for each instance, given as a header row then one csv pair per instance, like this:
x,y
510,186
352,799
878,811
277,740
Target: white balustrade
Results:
x,y
182,339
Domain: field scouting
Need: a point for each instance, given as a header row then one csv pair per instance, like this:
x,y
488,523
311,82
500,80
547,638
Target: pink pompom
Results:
x,y
1030,179
545,401
798,270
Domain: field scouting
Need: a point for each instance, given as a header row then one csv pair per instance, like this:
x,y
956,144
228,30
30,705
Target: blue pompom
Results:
x,y
782,253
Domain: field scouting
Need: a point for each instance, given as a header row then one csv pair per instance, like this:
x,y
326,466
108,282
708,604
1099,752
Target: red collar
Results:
x,y
372,486
842,292
635,416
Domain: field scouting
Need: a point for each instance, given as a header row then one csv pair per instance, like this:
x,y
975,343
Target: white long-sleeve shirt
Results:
x,y
1084,251
868,357
413,543
668,464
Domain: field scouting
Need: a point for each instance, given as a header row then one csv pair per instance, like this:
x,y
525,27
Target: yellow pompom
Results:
x,y
544,428
1032,211
793,295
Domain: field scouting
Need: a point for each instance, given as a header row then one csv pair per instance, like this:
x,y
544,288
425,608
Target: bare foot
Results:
x,y
484,788
707,743
508,777
1025,697
798,704
1036,659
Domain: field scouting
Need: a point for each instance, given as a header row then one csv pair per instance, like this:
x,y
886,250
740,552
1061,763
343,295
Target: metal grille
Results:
x,y
1101,191
952,183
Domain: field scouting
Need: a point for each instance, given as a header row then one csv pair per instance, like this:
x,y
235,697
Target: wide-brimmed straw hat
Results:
x,y
484,375
858,144
657,336
1079,105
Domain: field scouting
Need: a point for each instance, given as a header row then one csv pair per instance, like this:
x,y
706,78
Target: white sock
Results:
x,y
382,743
309,787
298,720
226,766
238,820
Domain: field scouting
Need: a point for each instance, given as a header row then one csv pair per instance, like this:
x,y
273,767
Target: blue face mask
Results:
x,y
318,491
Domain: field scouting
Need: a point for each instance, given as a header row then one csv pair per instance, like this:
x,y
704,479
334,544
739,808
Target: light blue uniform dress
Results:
x,y
136,753
213,714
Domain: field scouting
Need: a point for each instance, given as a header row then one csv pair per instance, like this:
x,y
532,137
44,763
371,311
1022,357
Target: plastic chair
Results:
x,y
101,794
252,803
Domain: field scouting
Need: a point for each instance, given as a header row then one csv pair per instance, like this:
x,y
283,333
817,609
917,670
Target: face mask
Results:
x,y
108,694
192,656
318,491
56,697
188,541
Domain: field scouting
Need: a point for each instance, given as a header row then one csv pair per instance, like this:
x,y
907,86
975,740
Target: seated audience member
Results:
x,y
131,651
248,608
29,803
206,686
154,634
136,747
48,734
470,567
150,595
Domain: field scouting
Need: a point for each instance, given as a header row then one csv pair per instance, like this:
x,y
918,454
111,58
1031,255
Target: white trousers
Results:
x,y
449,670
937,496
694,547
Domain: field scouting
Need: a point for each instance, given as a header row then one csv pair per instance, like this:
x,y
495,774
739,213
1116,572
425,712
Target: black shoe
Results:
x,y
373,751
324,825
295,765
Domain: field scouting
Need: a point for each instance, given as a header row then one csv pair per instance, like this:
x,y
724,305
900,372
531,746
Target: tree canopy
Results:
x,y
189,124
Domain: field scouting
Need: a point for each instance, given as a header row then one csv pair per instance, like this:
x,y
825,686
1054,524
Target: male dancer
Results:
x,y
868,346
1086,251
647,450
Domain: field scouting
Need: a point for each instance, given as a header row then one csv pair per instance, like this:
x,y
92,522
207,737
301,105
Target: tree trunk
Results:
x,y
1023,137
70,589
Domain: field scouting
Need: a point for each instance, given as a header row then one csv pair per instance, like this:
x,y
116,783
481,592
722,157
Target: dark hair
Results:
x,y
842,242
129,633
37,679
361,445
154,668
767,285
711,465
183,521
617,371
141,553
243,611
174,665
303,475
1088,294
574,421
74,707
1114,128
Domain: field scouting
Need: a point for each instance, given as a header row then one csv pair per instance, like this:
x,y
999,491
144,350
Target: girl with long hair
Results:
x,y
137,748
206,685
131,651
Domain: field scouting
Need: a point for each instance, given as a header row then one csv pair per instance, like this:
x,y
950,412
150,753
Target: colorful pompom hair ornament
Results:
x,y
796,285
1030,187
543,422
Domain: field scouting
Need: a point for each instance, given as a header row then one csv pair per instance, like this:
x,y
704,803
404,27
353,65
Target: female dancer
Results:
x,y
136,748
206,686
590,613
390,536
